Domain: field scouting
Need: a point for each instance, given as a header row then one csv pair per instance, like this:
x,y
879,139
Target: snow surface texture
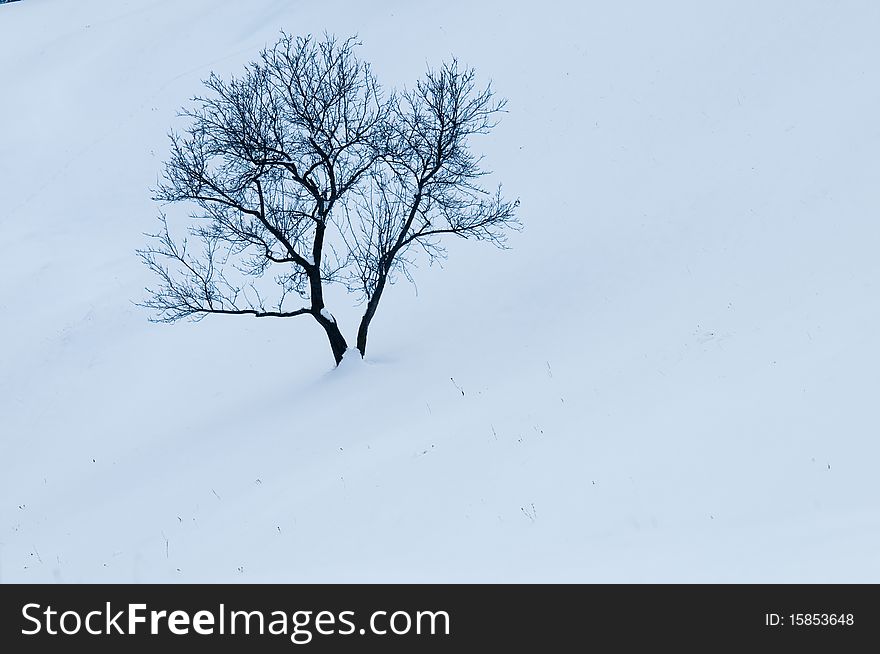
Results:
x,y
671,376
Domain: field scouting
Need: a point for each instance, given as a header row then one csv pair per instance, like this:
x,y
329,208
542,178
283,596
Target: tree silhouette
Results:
x,y
302,174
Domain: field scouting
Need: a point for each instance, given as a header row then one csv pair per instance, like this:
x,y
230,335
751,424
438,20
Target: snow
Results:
x,y
327,315
692,400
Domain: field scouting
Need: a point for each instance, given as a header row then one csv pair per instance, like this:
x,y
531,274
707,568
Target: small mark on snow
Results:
x,y
460,389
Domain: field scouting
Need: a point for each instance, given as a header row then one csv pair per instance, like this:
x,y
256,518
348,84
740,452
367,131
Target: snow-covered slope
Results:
x,y
672,374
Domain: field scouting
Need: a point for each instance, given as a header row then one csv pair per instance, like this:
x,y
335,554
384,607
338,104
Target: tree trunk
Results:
x,y
372,305
334,335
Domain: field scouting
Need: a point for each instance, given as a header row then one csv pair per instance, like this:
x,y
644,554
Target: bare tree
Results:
x,y
303,173
428,185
